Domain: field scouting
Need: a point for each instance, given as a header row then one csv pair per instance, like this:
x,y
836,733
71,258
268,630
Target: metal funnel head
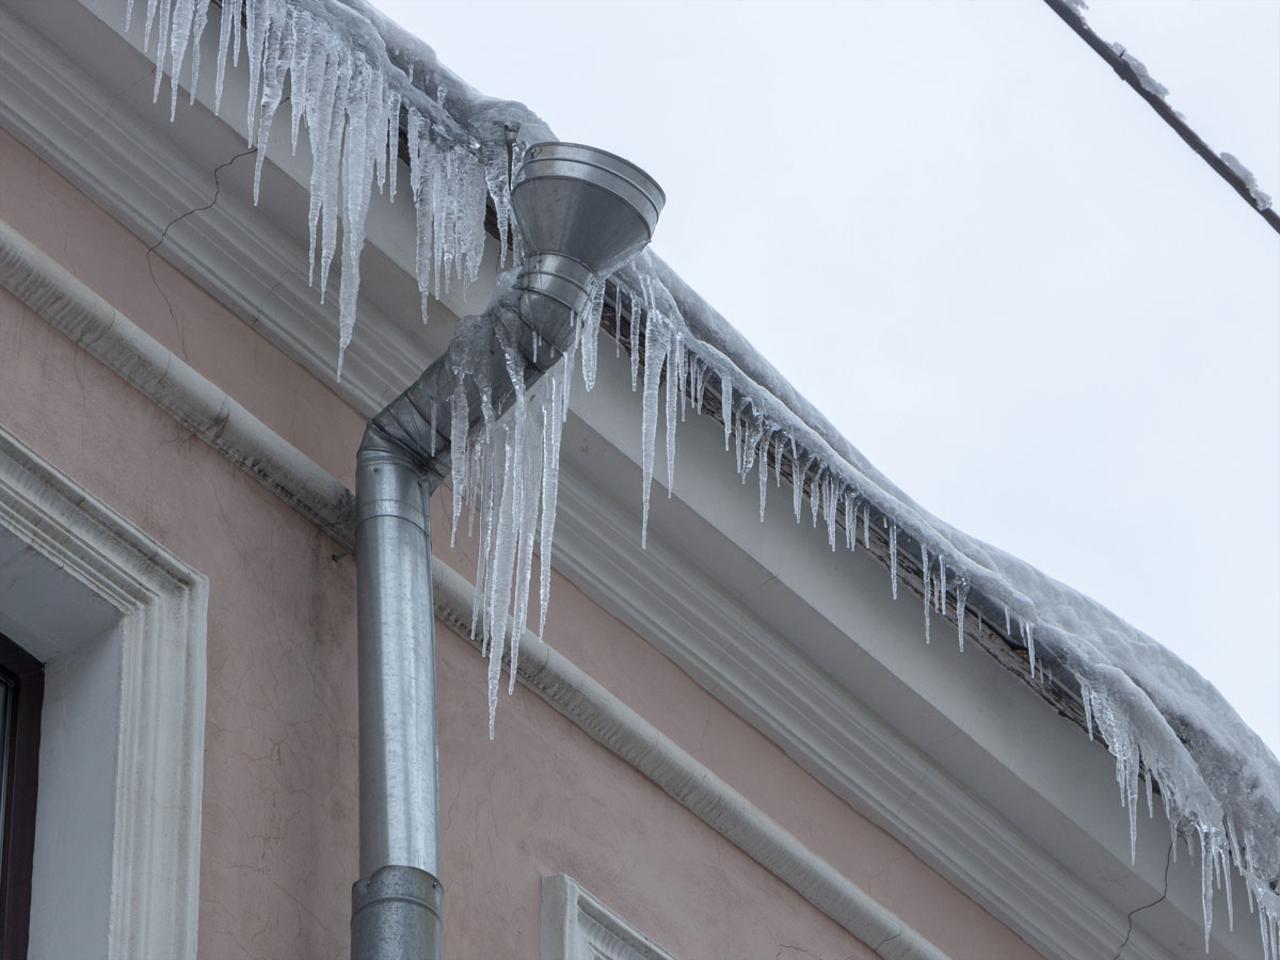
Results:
x,y
581,212
585,204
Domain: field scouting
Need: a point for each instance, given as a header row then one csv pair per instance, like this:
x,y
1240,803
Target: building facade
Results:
x,y
731,744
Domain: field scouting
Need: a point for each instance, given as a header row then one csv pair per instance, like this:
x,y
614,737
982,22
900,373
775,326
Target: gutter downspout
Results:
x,y
397,910
581,212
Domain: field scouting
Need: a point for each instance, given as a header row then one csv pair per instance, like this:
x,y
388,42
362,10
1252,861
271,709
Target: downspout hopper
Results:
x,y
581,213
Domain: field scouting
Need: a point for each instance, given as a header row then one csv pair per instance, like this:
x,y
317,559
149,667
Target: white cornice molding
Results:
x,y
71,308
155,883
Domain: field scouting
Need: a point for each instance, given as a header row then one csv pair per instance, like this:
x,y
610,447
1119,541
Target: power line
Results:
x,y
1147,89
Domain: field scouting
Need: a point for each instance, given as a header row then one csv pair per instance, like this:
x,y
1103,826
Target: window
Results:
x,y
21,692
577,926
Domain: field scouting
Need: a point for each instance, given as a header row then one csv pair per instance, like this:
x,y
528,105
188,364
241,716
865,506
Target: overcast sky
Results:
x,y
981,255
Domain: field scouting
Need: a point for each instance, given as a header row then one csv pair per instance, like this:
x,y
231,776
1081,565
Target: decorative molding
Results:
x,y
154,897
577,926
70,307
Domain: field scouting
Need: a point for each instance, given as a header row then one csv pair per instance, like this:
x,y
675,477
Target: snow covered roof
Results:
x,y
364,87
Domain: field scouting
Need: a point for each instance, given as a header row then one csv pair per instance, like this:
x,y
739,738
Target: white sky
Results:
x,y
981,255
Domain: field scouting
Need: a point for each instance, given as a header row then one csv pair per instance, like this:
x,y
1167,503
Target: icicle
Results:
x,y
299,75
147,23
500,585
942,586
487,477
197,33
829,509
797,487
278,53
526,524
962,595
726,405
459,425
357,187
393,143
737,449
552,423
184,14
893,561
1008,629
162,35
924,567
330,163
1029,630
683,376
634,331
655,352
764,472
589,335
866,526
498,181
1206,886
617,321
672,420
238,10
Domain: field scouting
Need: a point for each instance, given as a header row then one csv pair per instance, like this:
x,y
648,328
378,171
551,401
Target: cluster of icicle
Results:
x,y
504,480
847,506
351,100
353,94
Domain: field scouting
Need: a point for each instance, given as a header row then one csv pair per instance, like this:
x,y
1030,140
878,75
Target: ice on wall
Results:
x,y
355,80
505,474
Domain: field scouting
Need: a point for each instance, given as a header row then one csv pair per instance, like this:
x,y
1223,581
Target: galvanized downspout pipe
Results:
x,y
581,213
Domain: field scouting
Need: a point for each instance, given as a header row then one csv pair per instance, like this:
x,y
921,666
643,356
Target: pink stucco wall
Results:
x,y
279,817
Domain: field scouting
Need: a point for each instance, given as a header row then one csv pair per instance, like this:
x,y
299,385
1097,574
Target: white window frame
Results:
x,y
153,686
577,926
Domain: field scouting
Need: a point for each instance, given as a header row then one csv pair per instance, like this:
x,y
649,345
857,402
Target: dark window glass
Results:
x,y
21,693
